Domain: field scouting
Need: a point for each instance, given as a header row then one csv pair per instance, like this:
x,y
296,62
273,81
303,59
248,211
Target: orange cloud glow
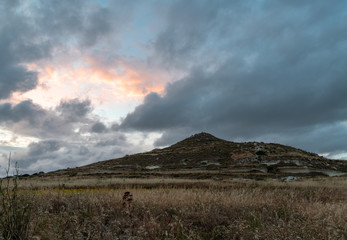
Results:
x,y
130,80
117,86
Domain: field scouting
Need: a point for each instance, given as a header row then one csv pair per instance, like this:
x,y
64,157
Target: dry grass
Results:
x,y
187,209
97,182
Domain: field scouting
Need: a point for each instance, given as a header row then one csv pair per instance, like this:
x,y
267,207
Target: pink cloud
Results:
x,y
117,86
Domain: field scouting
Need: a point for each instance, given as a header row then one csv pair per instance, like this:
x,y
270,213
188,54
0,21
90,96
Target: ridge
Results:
x,y
205,154
198,139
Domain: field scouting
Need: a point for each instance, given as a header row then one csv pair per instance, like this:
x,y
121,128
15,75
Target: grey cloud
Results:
x,y
157,113
115,127
280,77
85,22
15,50
174,135
62,18
24,110
98,127
189,27
108,142
74,109
32,31
47,146
327,138
27,118
53,154
15,78
62,132
99,24
198,32
117,139
83,151
264,70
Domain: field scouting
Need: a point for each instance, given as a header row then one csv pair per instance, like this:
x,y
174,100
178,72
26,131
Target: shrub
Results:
x,y
14,214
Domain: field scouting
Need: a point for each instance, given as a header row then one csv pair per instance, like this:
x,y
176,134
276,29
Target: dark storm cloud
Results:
x,y
329,138
82,24
188,26
16,49
15,78
279,70
85,21
173,135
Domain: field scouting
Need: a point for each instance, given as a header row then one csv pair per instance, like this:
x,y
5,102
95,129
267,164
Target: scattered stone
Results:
x,y
289,178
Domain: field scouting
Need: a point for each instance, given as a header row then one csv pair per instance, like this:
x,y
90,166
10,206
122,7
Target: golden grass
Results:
x,y
73,182
188,209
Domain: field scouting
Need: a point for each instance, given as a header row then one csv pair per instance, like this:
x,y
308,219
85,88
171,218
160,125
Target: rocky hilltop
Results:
x,y
205,155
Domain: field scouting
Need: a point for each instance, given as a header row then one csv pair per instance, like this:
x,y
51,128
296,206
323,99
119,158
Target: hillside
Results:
x,y
205,155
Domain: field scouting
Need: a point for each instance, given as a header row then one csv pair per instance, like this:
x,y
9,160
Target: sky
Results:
x,y
85,80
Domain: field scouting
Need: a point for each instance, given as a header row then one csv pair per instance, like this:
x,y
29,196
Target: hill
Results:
x,y
203,155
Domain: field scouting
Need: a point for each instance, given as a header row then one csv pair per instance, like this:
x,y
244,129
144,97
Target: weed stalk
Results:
x,y
14,214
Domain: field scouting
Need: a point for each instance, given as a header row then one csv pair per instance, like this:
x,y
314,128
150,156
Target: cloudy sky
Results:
x,y
89,80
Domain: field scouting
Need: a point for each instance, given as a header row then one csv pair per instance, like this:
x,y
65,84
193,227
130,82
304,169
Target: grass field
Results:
x,y
74,208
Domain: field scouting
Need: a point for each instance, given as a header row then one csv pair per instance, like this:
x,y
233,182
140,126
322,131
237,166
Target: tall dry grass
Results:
x,y
201,210
14,211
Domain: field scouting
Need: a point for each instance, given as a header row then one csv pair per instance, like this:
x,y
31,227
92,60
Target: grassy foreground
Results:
x,y
185,209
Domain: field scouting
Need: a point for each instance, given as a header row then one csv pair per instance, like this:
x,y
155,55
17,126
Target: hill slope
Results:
x,y
203,152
